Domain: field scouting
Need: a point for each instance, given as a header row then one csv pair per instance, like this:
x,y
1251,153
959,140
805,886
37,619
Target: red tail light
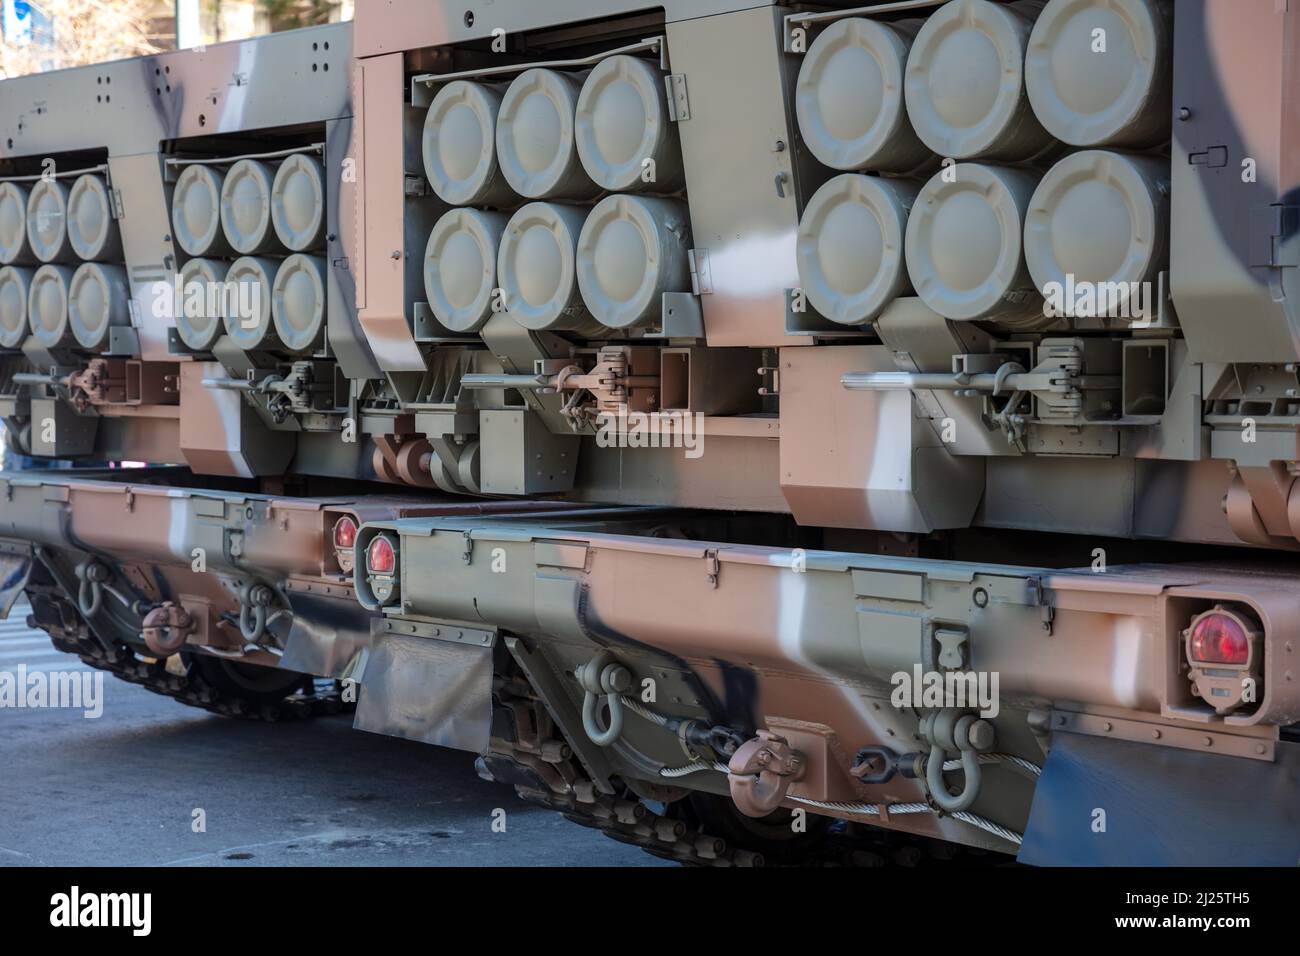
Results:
x,y
381,556
1219,638
345,533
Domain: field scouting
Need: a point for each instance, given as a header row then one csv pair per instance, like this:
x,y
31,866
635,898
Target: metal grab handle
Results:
x,y
602,676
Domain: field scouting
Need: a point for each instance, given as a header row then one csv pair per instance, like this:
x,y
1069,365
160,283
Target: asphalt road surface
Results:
x,y
122,790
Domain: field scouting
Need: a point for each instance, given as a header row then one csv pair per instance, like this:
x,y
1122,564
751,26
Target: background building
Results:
x,y
52,34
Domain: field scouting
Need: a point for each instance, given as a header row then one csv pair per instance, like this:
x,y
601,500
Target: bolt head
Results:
x,y
981,735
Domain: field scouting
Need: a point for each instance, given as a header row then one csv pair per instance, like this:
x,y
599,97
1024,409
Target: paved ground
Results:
x,y
122,790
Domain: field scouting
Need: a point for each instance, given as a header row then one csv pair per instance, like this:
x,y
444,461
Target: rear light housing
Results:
x,y
381,565
1218,638
345,533
345,540
381,556
1224,650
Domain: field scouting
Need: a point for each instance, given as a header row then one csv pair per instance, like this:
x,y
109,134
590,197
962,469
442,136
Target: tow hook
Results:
x,y
166,628
602,676
952,730
761,771
254,599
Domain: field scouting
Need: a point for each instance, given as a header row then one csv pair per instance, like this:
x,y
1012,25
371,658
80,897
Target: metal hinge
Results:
x,y
1040,597
714,568
679,104
701,277
415,185
115,204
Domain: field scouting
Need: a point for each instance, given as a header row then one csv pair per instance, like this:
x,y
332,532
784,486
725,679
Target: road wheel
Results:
x,y
774,836
252,683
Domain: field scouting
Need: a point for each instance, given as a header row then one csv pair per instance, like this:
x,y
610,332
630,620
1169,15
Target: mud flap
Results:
x,y
433,691
1162,807
327,636
15,569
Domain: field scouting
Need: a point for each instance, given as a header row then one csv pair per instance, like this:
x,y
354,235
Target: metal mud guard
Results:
x,y
428,683
1122,803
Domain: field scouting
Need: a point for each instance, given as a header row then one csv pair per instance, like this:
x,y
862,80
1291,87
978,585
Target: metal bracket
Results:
x,y
436,630
1164,735
123,340
680,317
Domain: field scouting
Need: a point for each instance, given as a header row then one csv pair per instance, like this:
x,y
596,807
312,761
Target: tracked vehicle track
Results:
x,y
685,832
681,835
206,682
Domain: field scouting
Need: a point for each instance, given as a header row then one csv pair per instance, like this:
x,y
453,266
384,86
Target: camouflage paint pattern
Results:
x,y
685,570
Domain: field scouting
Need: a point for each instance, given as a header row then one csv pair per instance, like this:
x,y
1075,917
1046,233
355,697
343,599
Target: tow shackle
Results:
x,y
603,677
254,599
951,729
90,591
